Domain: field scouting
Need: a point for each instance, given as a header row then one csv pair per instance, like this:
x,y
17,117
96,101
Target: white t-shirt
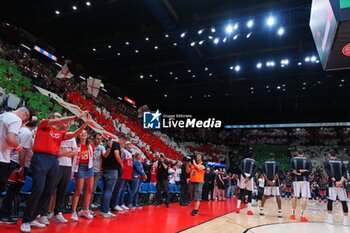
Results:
x,y
67,145
177,174
13,101
25,138
9,122
99,151
171,173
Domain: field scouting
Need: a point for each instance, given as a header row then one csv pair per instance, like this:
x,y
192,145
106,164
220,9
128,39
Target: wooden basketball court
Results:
x,y
234,222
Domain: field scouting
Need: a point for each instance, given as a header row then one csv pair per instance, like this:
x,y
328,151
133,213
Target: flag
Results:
x,y
64,72
93,85
141,110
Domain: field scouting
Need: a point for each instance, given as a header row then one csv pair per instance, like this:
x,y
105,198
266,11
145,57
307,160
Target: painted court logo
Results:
x,y
152,120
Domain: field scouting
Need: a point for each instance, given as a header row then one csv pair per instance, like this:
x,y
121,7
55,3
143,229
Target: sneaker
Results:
x,y
279,215
8,220
124,207
329,220
292,217
59,218
37,224
87,214
303,219
25,227
93,206
80,213
118,208
345,221
194,212
131,207
249,212
138,207
74,217
92,213
44,220
108,215
50,215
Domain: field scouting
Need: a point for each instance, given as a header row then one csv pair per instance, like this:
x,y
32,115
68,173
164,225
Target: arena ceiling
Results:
x,y
222,59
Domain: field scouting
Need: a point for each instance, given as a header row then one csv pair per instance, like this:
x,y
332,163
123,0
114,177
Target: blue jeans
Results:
x,y
121,192
45,170
134,193
109,178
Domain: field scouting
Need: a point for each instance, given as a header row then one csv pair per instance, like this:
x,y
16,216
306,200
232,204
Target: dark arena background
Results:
x,y
174,116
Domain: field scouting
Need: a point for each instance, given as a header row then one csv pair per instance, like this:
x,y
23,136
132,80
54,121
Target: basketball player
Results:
x,y
270,172
246,182
336,172
301,168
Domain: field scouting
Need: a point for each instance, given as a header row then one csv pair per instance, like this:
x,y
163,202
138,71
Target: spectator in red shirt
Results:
x,y
84,173
45,167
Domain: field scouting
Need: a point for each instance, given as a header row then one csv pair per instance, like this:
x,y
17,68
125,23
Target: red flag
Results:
x,y
64,72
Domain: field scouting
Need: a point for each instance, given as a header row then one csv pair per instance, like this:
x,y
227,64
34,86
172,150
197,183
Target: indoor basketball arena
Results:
x,y
174,116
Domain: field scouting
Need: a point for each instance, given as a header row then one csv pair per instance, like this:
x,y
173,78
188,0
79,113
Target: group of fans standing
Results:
x,y
53,154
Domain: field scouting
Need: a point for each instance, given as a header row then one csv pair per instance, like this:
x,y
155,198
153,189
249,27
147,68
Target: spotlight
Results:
x,y
278,87
317,61
166,36
285,62
237,68
136,51
206,68
313,58
141,76
210,74
200,31
156,80
267,87
193,43
259,65
189,71
249,34
307,59
235,27
343,80
88,3
224,40
147,39
118,54
194,76
251,88
183,34
127,43
250,23
299,63
212,29
94,49
175,44
235,37
170,73
272,63
270,21
210,37
156,47
231,67
165,95
109,46
229,29
201,42
216,40
74,8
57,12
280,31
176,78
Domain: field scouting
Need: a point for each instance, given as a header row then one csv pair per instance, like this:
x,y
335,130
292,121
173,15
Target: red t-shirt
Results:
x,y
84,155
127,166
48,139
153,172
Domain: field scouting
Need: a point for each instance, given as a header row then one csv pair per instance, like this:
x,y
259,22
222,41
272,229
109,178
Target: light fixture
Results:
x,y
212,29
278,87
109,46
165,95
175,78
270,21
118,54
304,84
231,67
250,23
170,73
74,8
313,58
88,3
317,61
175,44
147,39
299,63
224,40
201,42
193,43
210,37
259,65
249,34
127,43
280,31
307,59
237,68
216,40
156,47
235,27
136,51
200,31
194,76
342,80
156,80
183,34
267,87
229,29
94,49
235,37
251,88
57,12
189,71
206,68
166,36
210,74
141,76
272,63
150,75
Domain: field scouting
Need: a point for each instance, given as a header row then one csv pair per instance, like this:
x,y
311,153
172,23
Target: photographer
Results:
x,y
162,181
196,171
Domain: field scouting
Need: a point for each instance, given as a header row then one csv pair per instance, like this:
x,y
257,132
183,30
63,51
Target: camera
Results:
x,y
189,158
